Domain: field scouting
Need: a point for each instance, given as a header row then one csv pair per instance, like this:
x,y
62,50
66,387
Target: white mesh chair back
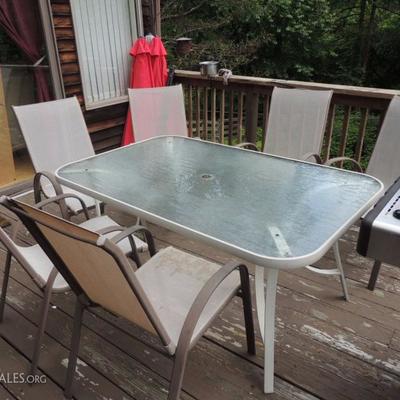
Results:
x,y
385,160
97,271
157,112
55,133
297,120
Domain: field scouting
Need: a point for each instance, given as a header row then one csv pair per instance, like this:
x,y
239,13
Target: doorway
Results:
x,y
19,71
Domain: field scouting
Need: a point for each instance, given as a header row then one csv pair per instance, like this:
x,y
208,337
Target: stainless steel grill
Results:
x,y
380,232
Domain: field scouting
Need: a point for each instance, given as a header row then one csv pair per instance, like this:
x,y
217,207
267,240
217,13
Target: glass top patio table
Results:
x,y
272,211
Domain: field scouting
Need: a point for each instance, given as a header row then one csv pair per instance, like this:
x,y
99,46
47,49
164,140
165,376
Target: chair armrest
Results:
x,y
247,145
59,199
128,232
37,190
198,306
109,229
338,159
316,156
37,187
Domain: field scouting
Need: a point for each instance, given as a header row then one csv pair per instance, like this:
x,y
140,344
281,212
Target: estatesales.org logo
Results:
x,y
21,377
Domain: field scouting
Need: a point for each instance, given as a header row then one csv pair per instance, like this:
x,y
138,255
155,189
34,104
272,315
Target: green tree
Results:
x,y
338,41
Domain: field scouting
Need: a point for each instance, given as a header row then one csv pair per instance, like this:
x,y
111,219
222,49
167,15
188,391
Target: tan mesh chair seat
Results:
x,y
41,267
95,224
172,279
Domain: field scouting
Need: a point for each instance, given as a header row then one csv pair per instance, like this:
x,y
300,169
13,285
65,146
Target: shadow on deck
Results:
x,y
326,348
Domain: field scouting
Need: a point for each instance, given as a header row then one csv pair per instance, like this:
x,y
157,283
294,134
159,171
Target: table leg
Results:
x,y
97,208
266,314
339,266
260,298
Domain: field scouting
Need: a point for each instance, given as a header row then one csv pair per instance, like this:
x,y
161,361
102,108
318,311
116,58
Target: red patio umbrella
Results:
x,y
149,69
159,62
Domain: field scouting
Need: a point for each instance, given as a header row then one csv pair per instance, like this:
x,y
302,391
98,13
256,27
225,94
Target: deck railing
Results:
x,y
238,112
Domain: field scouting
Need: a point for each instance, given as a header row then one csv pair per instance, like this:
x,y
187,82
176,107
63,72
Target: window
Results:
x,y
104,32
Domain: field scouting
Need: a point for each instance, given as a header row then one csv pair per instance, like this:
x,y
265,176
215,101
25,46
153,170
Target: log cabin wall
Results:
x,y
148,19
105,124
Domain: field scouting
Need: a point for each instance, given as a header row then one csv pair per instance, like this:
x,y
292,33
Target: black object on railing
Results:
x,y
171,74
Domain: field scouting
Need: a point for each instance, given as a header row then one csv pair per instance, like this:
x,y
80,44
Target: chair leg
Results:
x,y
43,319
178,371
73,355
339,265
6,277
134,253
248,312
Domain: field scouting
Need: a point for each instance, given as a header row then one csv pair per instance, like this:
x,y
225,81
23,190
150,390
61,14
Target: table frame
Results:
x,y
269,266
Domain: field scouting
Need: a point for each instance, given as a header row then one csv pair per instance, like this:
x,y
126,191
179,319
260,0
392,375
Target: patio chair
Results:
x,y
296,127
174,295
41,269
296,123
55,134
384,163
157,111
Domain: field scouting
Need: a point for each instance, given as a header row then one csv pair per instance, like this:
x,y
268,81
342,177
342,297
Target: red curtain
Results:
x,y
21,21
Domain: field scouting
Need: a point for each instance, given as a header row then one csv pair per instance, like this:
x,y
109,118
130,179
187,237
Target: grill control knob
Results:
x,y
396,213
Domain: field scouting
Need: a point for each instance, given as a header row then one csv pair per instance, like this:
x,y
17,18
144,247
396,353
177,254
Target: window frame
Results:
x,y
133,5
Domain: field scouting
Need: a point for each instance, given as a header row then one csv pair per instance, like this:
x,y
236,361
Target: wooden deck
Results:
x,y
325,348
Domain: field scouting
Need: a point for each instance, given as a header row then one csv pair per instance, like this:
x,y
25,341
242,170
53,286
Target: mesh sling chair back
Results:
x,y
55,134
174,295
296,123
157,111
384,163
296,127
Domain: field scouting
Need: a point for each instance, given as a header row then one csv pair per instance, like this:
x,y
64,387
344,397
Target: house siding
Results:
x,y
105,125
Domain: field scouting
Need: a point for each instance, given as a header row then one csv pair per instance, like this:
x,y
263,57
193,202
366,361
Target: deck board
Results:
x,y
5,394
326,348
362,359
11,361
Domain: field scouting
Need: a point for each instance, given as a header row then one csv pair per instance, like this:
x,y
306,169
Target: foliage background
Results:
x,y
353,42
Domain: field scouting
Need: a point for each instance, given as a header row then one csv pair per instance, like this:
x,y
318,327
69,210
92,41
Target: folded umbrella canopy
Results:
x,y
159,62
149,69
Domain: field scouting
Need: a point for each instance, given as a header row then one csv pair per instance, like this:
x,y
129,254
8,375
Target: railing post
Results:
x,y
190,110
230,128
361,133
329,132
345,131
251,117
222,118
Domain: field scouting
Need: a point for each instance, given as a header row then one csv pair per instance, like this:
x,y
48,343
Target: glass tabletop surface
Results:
x,y
266,205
